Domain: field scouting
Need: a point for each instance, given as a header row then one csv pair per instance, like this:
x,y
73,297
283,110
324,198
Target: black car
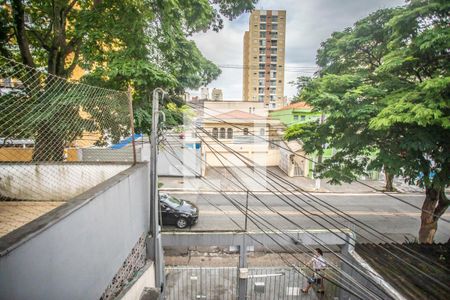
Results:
x,y
178,212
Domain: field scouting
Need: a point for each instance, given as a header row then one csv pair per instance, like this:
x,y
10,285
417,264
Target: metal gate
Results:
x,y
201,283
188,283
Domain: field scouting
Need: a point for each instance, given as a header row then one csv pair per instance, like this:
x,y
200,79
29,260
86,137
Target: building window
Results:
x,y
245,131
215,133
274,27
262,131
262,26
302,118
260,98
273,105
274,18
263,18
222,133
296,118
229,133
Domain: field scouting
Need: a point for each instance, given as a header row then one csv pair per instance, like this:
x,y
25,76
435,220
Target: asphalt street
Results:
x,y
378,211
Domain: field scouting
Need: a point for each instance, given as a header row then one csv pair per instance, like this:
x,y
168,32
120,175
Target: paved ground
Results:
x,y
389,216
222,179
14,214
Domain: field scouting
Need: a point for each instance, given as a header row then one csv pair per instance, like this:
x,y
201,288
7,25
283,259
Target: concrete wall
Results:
x,y
107,154
168,165
56,181
144,278
181,239
74,251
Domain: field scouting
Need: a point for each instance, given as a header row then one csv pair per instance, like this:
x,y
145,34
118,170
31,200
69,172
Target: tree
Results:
x,y
395,107
419,104
348,92
117,42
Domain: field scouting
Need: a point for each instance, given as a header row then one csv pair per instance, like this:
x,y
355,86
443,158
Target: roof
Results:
x,y
14,214
238,114
126,141
297,105
410,283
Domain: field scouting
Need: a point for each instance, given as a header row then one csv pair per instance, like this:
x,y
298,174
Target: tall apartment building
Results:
x,y
264,56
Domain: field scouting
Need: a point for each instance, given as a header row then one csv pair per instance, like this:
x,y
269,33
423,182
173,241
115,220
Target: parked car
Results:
x,y
178,212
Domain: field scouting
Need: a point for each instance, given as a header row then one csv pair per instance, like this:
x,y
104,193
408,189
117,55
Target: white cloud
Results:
x,y
309,22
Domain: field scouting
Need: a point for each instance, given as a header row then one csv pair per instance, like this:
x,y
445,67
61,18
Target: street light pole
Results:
x,y
156,251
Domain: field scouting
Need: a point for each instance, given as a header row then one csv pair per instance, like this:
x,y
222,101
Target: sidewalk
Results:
x,y
224,181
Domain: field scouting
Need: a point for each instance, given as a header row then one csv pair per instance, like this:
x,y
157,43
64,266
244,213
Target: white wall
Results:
x,y
75,251
59,181
212,108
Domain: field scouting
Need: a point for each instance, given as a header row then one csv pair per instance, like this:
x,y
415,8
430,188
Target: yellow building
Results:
x,y
264,58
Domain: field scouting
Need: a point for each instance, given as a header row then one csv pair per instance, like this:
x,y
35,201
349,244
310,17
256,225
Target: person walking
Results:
x,y
318,264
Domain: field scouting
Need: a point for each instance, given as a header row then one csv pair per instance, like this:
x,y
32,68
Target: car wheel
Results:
x,y
182,223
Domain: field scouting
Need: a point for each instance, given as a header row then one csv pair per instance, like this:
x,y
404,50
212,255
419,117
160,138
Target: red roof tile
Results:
x,y
297,105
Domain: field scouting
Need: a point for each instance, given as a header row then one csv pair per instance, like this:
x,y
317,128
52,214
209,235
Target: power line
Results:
x,y
414,254
256,224
390,252
309,159
320,242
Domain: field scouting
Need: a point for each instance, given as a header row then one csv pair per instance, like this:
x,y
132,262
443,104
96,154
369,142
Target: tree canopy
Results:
x,y
384,86
118,43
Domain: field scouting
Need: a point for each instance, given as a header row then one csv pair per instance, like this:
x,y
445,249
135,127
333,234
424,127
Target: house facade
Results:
x,y
244,127
295,113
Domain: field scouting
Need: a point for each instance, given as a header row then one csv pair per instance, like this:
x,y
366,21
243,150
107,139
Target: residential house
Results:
x,y
241,125
295,113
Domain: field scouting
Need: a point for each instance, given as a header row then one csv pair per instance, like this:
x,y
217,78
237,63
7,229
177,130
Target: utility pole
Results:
x,y
319,158
156,252
243,270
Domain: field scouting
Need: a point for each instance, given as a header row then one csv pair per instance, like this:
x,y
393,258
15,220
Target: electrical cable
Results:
x,y
260,227
309,159
390,252
312,236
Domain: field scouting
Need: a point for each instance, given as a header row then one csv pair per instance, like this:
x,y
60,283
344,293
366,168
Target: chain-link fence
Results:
x,y
55,133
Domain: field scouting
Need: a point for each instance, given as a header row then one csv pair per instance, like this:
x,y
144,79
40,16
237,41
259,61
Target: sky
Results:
x,y
309,22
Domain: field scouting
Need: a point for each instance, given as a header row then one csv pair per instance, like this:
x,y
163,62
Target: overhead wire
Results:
x,y
414,254
256,224
346,216
408,264
311,160
311,236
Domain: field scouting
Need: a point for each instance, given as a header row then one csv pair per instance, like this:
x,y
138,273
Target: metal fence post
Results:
x,y
130,109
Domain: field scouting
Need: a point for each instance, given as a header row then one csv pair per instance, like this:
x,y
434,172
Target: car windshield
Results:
x,y
172,201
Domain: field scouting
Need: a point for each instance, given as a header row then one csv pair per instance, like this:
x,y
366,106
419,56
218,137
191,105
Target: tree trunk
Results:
x,y
49,144
389,178
433,208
